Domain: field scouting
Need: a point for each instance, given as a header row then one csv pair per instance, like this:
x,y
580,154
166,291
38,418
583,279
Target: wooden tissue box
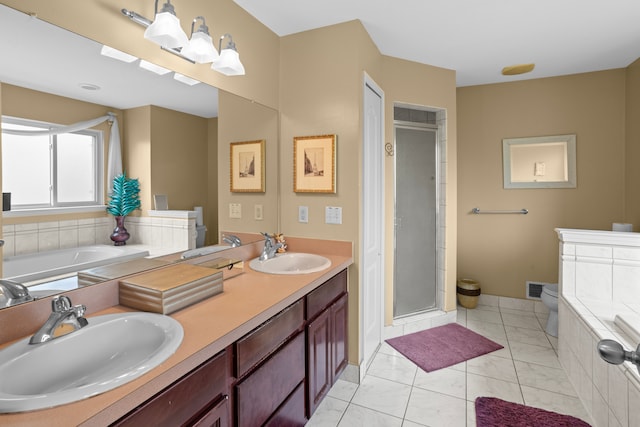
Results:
x,y
171,288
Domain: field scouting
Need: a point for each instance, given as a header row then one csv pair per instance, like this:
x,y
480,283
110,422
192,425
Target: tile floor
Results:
x,y
395,392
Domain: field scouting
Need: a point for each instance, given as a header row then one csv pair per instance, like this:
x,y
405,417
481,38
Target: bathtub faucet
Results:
x,y
62,312
270,248
14,292
231,239
613,352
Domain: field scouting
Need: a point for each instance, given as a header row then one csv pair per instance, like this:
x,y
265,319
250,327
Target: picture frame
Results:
x,y
314,164
247,167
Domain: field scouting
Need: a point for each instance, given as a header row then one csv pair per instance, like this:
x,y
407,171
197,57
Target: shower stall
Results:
x,y
416,211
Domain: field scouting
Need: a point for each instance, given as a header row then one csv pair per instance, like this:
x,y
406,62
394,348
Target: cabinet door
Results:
x,y
216,417
319,362
261,393
181,402
339,327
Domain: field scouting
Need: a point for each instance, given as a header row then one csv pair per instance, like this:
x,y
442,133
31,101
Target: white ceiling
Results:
x,y
474,38
477,38
43,57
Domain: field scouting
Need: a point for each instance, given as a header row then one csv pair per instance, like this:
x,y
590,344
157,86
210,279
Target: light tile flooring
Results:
x,y
395,392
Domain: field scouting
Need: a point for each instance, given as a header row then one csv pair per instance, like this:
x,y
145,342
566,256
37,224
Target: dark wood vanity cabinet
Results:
x,y
326,338
274,376
270,368
200,398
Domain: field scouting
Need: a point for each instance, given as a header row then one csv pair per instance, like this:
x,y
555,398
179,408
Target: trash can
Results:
x,y
468,291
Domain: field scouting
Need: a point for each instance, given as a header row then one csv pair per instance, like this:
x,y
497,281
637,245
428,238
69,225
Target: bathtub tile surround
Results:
x,y
165,229
600,278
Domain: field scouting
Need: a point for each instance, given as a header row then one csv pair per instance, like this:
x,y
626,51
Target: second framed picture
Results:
x,y
247,167
314,164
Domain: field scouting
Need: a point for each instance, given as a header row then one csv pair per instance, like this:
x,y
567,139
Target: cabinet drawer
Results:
x,y
262,392
187,397
291,413
265,339
322,297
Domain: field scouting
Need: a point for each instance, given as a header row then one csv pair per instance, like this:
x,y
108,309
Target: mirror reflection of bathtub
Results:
x,y
42,265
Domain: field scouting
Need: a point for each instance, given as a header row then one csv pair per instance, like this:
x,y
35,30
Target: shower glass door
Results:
x,y
415,220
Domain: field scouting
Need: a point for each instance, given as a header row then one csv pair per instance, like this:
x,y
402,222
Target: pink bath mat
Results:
x,y
493,412
443,346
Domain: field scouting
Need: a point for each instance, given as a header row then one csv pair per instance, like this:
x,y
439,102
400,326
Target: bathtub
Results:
x,y
31,267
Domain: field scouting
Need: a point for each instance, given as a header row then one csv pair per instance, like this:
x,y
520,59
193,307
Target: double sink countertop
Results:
x,y
248,300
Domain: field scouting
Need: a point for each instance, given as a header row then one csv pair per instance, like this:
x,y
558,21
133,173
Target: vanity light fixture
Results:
x,y
200,48
229,63
165,30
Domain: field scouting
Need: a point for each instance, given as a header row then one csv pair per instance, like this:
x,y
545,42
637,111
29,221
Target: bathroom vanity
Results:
x,y
263,352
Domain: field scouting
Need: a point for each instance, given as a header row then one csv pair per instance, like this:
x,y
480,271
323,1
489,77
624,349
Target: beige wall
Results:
x,y
318,97
211,216
504,251
321,93
136,152
632,153
241,120
179,158
421,85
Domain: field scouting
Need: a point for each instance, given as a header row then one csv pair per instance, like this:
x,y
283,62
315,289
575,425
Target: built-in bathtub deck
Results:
x,y
599,280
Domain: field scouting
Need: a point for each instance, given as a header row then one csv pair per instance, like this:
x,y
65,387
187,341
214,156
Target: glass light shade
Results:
x,y
166,31
200,48
229,63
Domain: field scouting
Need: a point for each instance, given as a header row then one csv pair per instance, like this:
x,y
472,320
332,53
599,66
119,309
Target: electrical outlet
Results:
x,y
303,214
257,212
235,210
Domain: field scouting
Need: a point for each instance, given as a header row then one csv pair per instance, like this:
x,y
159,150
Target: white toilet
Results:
x,y
549,297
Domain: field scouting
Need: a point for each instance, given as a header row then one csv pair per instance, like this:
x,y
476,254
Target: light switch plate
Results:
x,y
333,215
235,210
257,212
303,214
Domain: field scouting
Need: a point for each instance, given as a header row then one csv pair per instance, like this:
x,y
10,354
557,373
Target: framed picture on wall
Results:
x,y
247,167
314,164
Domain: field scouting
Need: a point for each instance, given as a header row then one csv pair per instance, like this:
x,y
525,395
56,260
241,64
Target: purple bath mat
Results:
x,y
492,412
437,348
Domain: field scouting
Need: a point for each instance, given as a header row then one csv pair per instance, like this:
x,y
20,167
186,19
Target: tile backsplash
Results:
x,y
157,231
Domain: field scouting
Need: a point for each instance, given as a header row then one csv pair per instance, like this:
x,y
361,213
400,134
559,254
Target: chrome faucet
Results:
x,y
231,239
613,352
62,312
270,248
14,292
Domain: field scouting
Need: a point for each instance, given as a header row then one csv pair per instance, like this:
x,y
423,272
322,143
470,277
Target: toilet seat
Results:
x,y
550,290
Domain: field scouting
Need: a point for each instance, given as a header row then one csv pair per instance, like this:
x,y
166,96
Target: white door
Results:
x,y
372,266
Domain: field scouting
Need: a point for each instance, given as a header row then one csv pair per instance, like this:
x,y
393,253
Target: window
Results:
x,y
51,171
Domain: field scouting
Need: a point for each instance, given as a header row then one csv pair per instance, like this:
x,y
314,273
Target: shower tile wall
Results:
x,y
21,239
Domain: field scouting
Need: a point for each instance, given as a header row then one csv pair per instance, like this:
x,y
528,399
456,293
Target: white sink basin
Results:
x,y
112,350
291,263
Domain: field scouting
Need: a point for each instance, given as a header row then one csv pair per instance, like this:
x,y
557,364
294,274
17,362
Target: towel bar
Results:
x,y
521,211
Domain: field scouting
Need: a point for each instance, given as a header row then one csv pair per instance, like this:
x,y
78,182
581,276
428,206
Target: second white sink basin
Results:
x,y
291,263
110,351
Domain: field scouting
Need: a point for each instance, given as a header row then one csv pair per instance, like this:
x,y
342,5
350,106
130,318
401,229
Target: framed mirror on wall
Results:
x,y
539,162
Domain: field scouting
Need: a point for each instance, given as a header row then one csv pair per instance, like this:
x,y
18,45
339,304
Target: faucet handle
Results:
x,y
60,304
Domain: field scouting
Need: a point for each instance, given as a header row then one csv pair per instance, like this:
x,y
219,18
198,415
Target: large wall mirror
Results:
x,y
539,162
66,65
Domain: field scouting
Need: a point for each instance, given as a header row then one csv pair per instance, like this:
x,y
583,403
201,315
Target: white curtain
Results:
x,y
114,161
